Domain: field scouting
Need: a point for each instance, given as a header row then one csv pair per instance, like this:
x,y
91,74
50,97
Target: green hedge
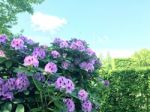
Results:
x,y
129,91
123,63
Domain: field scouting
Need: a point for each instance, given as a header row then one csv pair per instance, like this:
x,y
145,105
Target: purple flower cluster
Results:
x,y
87,106
87,66
90,52
25,39
39,53
51,68
63,83
3,38
17,43
106,82
61,43
83,95
7,87
2,54
22,82
55,54
77,45
31,61
39,76
65,65
69,104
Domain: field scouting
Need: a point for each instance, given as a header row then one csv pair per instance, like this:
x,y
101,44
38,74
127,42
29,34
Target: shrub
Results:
x,y
62,77
129,91
123,63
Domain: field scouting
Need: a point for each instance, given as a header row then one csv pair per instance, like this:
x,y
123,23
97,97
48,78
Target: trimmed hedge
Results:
x,y
129,91
123,63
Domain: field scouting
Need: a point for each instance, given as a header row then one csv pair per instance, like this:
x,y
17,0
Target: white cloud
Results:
x,y
117,53
44,22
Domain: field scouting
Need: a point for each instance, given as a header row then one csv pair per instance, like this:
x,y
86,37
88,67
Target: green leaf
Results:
x,y
20,108
8,64
36,109
7,107
38,85
2,59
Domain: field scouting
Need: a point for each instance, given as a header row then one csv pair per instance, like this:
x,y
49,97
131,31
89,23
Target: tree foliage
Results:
x,y
9,10
142,57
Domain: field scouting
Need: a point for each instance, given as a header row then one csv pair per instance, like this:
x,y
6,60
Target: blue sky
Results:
x,y
119,27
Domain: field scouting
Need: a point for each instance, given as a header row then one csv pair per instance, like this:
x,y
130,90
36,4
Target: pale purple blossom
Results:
x,y
83,95
22,82
10,84
51,68
17,43
63,83
69,86
69,104
39,76
57,41
65,64
55,54
2,54
87,106
31,61
77,45
60,83
1,81
63,44
90,52
7,95
89,67
3,38
106,82
39,53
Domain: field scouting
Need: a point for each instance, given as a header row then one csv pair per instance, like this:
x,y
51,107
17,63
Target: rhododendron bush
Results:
x,y
62,77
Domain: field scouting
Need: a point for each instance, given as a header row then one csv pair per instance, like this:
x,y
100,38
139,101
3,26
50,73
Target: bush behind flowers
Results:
x,y
62,77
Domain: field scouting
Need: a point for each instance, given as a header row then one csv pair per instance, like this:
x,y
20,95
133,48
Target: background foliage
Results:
x,y
129,90
9,10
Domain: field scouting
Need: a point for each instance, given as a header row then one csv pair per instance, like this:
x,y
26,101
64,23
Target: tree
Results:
x,y
10,8
142,57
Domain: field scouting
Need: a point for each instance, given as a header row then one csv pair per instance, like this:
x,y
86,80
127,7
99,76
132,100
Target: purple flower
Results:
x,y
106,82
69,104
7,95
87,66
87,106
1,81
69,86
30,42
55,54
22,83
63,83
23,38
60,83
65,65
31,61
17,43
77,45
39,76
63,44
83,95
57,41
39,52
90,52
3,38
51,68
10,84
2,54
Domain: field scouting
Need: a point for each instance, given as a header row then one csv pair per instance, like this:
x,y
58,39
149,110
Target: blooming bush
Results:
x,y
60,78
